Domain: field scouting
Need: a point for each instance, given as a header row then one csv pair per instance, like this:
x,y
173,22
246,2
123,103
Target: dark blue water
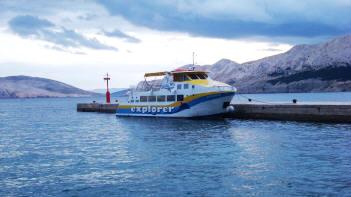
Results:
x,y
49,149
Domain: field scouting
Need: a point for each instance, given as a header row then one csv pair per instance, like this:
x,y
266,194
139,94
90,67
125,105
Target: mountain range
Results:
x,y
35,87
324,67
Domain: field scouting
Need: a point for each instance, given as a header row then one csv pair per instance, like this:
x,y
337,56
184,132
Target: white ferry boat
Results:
x,y
180,93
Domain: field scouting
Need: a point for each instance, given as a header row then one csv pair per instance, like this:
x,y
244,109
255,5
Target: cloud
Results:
x,y
88,17
240,18
119,34
28,25
61,49
34,27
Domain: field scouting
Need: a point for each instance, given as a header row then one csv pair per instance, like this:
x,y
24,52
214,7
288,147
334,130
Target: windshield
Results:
x,y
179,77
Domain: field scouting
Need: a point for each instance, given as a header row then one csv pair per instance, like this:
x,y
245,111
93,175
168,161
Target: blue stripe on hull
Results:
x,y
173,110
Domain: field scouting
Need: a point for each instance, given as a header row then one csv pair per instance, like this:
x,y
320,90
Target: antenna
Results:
x,y
193,67
193,58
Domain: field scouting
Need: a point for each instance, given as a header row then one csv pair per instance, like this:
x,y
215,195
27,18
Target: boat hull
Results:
x,y
206,104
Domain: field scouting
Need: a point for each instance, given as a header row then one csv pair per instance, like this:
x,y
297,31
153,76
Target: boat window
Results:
x,y
161,98
187,78
179,77
137,101
152,98
202,76
180,97
179,86
132,101
170,98
193,76
143,98
186,86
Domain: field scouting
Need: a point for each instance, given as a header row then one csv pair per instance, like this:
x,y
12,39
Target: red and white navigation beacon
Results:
x,y
108,95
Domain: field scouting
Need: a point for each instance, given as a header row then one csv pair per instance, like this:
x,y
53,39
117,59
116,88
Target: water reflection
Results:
x,y
175,129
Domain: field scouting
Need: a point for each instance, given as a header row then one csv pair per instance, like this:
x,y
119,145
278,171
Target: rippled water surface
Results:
x,y
47,148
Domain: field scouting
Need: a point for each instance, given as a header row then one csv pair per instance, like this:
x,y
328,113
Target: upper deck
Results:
x,y
192,81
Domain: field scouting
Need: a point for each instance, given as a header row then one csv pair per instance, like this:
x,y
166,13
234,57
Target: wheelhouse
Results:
x,y
180,76
189,76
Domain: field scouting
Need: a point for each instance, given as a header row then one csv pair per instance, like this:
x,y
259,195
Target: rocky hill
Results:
x,y
322,67
35,87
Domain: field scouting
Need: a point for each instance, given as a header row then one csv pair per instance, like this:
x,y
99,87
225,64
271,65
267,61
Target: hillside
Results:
x,y
103,90
322,67
35,87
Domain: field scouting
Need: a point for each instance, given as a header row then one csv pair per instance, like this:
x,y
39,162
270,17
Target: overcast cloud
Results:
x,y
79,41
239,18
34,27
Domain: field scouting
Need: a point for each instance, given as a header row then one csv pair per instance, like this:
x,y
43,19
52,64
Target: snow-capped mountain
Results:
x,y
304,68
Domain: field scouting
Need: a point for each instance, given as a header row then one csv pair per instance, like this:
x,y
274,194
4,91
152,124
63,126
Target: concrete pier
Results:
x,y
97,107
340,113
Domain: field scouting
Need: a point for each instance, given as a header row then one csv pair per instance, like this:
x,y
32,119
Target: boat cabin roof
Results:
x,y
155,74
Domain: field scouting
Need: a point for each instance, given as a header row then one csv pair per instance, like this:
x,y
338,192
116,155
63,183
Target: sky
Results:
x,y
79,41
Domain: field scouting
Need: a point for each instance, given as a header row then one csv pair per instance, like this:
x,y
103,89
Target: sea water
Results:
x,y
49,149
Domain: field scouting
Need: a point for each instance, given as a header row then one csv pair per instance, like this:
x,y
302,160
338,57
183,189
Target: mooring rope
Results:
x,y
251,99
